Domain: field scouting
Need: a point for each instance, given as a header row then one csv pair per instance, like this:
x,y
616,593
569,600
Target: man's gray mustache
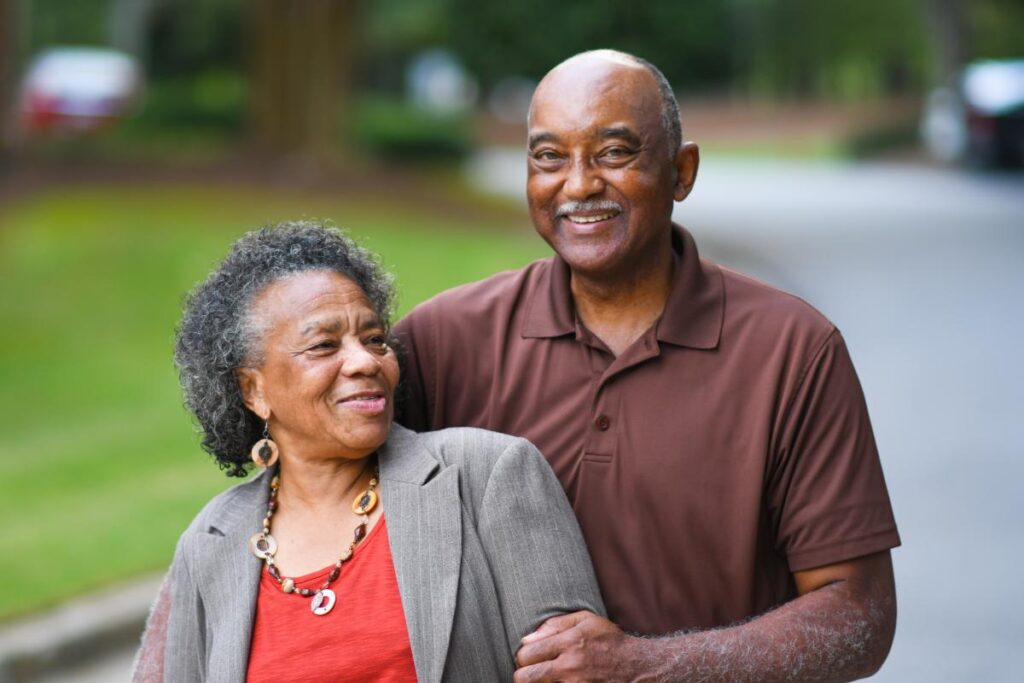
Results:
x,y
580,207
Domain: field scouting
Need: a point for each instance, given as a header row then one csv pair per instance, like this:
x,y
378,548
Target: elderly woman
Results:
x,y
362,551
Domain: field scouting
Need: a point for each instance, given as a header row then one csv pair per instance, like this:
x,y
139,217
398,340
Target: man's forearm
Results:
x,y
835,633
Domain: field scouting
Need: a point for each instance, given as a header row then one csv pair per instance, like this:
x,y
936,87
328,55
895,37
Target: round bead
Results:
x,y
359,533
335,573
365,502
262,545
288,585
275,483
346,553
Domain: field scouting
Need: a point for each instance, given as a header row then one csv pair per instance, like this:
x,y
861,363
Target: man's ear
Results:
x,y
686,162
250,381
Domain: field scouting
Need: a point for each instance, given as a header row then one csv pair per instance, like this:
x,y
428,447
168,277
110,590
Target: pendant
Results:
x,y
323,601
262,545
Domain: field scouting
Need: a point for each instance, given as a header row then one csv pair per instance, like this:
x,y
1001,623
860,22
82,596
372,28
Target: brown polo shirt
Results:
x,y
727,447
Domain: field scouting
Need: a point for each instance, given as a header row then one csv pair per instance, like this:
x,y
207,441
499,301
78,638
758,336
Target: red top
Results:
x,y
363,638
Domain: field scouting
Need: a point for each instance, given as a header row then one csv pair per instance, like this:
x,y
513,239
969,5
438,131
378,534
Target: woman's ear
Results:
x,y
250,381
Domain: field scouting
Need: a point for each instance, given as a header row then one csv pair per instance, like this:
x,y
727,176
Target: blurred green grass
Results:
x,y
102,468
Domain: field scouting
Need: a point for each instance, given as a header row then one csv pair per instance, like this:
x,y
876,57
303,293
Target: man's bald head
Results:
x,y
669,106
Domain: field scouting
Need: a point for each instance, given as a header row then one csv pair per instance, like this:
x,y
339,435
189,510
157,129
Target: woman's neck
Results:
x,y
315,485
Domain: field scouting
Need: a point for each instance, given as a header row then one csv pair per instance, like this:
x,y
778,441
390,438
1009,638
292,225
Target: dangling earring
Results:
x,y
264,453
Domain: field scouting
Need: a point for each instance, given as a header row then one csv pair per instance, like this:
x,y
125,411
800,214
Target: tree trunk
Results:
x,y
950,32
8,56
301,55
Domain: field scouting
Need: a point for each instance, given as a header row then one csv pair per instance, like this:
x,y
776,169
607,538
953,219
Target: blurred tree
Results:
x,y
996,29
839,50
302,54
690,42
8,47
185,38
949,21
775,48
128,21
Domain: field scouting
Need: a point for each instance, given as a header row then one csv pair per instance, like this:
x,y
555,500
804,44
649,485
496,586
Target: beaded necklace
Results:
x,y
264,546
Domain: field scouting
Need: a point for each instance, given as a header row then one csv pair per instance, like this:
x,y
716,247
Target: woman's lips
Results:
x,y
371,405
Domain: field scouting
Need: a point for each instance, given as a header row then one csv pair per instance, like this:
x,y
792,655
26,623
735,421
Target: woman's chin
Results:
x,y
367,438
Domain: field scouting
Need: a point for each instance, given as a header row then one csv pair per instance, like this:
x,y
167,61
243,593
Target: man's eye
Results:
x,y
546,155
323,345
617,152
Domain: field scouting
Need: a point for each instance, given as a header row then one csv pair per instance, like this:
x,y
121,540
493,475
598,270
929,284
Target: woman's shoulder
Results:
x,y
466,446
479,455
226,506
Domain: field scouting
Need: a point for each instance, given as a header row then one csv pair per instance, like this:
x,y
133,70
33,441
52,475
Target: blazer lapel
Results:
x,y
229,580
424,517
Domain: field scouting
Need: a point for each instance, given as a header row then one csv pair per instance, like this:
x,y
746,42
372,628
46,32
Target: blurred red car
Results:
x,y
78,89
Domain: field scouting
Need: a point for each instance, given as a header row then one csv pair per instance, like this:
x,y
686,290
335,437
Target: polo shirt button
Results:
x,y
603,423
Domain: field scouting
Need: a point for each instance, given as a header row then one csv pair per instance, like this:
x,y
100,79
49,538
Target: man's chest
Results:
x,y
671,415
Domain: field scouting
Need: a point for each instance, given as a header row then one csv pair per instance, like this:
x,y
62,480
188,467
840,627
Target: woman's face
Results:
x,y
327,381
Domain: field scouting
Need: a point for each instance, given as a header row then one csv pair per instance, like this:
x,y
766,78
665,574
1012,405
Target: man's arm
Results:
x,y
840,628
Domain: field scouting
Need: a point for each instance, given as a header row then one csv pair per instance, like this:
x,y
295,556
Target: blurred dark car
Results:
x,y
981,119
78,89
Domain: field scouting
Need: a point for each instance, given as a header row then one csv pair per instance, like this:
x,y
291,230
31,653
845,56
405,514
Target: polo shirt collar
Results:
x,y
693,313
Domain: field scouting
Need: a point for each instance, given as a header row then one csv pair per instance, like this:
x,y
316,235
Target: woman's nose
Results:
x,y
359,360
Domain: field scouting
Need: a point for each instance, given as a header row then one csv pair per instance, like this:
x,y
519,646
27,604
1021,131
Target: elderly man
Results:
x,y
708,429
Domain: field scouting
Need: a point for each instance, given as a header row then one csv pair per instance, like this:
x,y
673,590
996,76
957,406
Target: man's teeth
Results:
x,y
591,219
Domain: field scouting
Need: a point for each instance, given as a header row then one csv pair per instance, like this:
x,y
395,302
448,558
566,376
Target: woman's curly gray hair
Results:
x,y
218,333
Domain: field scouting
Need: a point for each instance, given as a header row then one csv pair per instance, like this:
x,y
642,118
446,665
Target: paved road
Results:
x,y
923,271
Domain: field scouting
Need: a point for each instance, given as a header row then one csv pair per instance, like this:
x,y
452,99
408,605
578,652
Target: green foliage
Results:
x,y
690,42
211,100
998,27
193,36
58,22
391,129
102,470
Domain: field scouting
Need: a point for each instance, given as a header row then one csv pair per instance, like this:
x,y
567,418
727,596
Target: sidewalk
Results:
x,y
89,638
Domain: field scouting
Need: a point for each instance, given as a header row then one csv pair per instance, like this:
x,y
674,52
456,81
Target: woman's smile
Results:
x,y
366,402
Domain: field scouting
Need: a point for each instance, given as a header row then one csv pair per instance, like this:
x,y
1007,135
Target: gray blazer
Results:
x,y
484,543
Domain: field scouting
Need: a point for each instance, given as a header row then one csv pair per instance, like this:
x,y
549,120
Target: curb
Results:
x,y
79,631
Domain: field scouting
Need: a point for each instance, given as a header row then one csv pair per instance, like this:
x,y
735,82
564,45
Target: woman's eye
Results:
x,y
323,345
377,340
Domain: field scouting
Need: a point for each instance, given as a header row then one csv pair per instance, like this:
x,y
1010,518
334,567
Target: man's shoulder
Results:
x,y
490,297
752,303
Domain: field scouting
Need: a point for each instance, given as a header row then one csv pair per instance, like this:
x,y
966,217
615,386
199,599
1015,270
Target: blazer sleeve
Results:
x,y
148,666
186,624
536,551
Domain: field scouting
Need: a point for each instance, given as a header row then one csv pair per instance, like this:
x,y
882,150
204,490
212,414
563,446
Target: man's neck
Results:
x,y
619,310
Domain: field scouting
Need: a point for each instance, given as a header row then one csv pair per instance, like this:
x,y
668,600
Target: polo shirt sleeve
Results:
x,y
414,334
826,494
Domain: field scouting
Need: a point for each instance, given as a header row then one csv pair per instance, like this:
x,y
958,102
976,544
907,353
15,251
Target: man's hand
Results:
x,y
582,646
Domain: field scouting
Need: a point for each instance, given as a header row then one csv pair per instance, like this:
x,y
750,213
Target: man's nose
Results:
x,y
583,181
